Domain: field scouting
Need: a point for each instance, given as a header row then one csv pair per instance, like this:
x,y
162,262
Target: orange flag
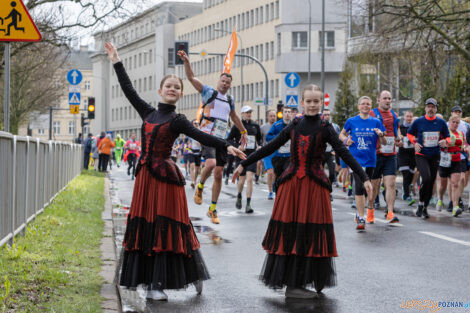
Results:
x,y
232,48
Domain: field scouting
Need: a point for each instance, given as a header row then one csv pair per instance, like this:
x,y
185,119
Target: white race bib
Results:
x,y
389,147
446,159
220,129
430,139
251,145
132,146
407,143
285,148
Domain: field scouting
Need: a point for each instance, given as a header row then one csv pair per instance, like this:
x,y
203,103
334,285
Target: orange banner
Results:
x,y
232,48
199,113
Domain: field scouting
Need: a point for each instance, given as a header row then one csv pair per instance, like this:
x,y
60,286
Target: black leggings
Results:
x,y
131,161
359,185
427,167
407,179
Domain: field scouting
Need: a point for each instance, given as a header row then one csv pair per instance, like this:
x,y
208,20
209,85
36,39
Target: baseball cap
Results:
x,y
456,108
431,101
246,108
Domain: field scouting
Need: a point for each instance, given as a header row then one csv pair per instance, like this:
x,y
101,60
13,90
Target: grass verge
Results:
x,y
55,267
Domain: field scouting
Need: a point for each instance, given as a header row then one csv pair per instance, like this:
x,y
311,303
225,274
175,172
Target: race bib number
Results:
x,y
389,147
446,159
430,139
132,146
251,145
285,148
329,148
407,143
220,129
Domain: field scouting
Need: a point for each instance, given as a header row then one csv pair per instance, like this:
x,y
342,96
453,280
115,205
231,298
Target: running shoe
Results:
x,y
410,200
419,211
198,195
376,205
238,205
433,201
361,223
350,191
248,209
157,295
425,213
450,206
403,197
300,293
271,196
391,218
439,205
226,180
213,216
456,211
370,216
344,189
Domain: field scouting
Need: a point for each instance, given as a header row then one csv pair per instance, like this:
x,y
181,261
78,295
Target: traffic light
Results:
x,y
180,45
91,108
279,110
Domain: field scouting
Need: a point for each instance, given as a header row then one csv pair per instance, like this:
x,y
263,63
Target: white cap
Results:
x,y
246,108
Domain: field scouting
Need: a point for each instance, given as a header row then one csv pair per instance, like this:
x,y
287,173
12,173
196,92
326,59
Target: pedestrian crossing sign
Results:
x,y
15,22
74,98
292,100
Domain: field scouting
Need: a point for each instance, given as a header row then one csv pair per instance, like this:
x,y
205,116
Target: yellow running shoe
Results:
x,y
198,195
213,216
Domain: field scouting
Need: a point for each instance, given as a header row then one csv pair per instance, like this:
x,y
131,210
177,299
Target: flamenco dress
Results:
x,y
300,240
161,249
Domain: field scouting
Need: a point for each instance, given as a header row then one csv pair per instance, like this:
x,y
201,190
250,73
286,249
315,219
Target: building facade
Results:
x,y
143,43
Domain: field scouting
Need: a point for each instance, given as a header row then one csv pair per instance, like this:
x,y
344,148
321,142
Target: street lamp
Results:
x,y
241,61
309,37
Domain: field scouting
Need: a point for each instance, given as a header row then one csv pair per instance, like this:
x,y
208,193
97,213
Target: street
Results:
x,y
377,270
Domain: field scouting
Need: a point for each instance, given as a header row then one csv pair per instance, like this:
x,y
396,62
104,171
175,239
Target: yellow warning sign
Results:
x,y
15,22
74,109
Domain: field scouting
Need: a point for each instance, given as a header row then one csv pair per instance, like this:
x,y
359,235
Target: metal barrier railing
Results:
x,y
32,173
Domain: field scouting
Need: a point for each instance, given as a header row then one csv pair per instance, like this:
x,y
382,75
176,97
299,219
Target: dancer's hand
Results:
x,y
237,173
112,52
183,56
236,152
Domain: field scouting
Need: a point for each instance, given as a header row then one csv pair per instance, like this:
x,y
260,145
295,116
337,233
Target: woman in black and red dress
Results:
x,y
161,249
300,239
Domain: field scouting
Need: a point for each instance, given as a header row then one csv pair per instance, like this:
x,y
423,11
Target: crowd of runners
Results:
x,y
161,249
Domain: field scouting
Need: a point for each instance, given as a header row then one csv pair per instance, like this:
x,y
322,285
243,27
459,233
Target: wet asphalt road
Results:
x,y
377,270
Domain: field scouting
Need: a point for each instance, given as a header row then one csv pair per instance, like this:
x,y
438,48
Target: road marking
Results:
x,y
240,213
266,190
465,243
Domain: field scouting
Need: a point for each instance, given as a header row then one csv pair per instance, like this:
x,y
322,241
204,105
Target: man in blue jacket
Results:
x,y
280,158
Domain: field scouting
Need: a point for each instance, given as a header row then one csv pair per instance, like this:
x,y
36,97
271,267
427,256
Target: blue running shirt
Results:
x,y
365,139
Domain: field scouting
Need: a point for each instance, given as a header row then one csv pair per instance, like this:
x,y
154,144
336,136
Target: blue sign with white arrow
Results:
x,y
74,98
74,77
292,80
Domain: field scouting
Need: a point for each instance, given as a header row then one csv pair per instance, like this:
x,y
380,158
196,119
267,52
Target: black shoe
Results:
x,y
450,206
238,205
425,213
248,209
419,211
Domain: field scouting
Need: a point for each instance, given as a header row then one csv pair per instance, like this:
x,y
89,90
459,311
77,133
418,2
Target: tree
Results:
x,y
345,105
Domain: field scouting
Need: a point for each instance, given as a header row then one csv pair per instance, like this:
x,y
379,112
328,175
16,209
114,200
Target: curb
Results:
x,y
111,301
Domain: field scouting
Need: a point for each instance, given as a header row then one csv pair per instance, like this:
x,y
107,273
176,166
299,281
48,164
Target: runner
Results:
x,y
280,158
161,249
450,165
119,149
300,240
194,157
217,109
406,158
329,154
427,134
386,165
132,154
267,161
255,140
361,134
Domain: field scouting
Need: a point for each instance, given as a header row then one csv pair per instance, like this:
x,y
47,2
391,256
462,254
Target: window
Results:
x,y
271,49
140,85
299,40
145,83
267,12
145,58
40,131
87,85
140,59
329,40
56,127
278,43
171,57
150,82
120,114
72,128
276,88
266,49
261,15
135,61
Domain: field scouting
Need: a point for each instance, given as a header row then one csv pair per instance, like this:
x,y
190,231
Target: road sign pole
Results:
x,y
50,123
6,102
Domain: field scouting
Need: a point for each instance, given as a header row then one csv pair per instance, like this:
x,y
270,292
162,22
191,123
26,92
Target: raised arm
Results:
x,y
197,84
142,107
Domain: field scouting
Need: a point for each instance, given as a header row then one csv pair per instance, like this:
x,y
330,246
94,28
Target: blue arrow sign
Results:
x,y
74,98
74,77
292,80
292,100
